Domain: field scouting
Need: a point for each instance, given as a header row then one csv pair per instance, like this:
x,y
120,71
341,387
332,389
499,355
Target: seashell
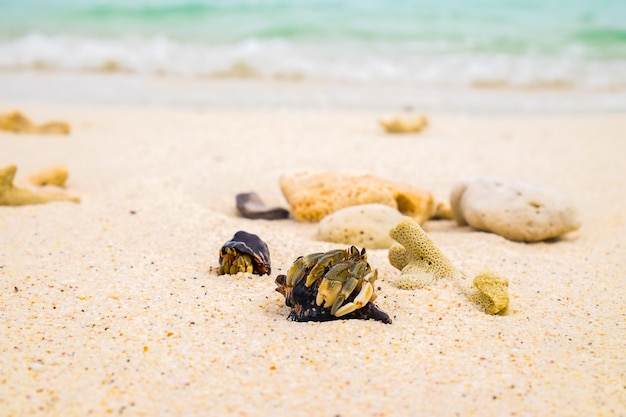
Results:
x,y
245,252
338,284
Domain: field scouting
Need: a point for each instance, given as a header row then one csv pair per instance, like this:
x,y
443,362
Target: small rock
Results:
x,y
366,225
251,206
408,123
517,211
443,211
54,175
314,195
16,122
10,195
54,128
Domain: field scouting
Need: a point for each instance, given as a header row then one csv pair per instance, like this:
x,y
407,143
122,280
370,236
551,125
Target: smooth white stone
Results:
x,y
365,225
518,211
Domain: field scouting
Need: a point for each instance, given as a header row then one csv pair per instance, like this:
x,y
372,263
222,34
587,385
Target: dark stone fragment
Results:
x,y
251,206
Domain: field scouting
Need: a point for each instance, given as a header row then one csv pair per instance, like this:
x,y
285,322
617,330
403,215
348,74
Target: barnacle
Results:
x,y
329,285
245,252
422,263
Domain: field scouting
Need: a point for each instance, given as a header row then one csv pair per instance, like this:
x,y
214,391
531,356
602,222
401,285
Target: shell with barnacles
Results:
x,y
338,284
245,252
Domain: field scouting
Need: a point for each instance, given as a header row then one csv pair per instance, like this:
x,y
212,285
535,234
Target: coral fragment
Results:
x,y
422,263
10,195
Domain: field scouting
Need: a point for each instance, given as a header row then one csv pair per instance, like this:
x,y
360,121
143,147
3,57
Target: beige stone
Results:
x,y
517,211
54,175
314,195
54,128
365,225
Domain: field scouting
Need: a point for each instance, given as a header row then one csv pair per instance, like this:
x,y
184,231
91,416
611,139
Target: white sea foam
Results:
x,y
433,63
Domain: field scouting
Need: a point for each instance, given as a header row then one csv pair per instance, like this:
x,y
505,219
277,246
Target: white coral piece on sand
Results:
x,y
422,263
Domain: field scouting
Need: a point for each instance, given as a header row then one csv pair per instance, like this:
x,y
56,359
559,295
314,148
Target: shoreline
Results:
x,y
112,306
115,89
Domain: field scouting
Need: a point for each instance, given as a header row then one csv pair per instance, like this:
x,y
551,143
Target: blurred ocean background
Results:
x,y
561,45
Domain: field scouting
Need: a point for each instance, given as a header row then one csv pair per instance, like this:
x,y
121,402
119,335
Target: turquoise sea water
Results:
x,y
560,44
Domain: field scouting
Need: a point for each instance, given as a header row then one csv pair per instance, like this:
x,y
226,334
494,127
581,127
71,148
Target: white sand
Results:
x,y
109,312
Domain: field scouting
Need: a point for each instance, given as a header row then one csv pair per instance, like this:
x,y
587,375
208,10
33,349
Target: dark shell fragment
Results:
x,y
251,206
242,244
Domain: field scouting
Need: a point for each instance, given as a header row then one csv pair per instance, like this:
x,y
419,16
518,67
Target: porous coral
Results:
x,y
10,195
314,195
422,263
16,122
489,291
415,254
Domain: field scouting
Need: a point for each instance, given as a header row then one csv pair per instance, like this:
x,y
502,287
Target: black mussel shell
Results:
x,y
301,299
251,206
252,245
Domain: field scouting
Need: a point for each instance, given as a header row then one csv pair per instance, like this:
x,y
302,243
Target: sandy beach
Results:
x,y
113,306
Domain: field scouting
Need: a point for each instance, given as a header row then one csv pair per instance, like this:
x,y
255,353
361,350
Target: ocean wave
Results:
x,y
428,63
